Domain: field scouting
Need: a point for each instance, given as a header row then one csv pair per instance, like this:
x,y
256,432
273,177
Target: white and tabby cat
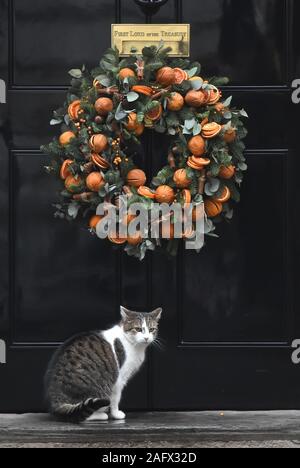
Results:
x,y
88,373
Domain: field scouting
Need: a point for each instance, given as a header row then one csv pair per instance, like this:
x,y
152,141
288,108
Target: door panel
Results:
x,y
50,37
229,312
246,42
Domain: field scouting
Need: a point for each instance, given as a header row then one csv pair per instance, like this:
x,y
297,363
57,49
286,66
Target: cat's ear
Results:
x,y
156,314
125,313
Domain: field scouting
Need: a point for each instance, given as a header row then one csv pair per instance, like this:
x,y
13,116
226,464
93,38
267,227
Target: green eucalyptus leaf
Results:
x,y
243,113
132,96
242,166
190,123
197,129
120,113
56,121
227,102
104,80
75,73
227,115
73,210
197,84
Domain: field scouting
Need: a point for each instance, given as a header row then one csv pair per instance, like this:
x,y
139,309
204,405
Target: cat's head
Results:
x,y
140,328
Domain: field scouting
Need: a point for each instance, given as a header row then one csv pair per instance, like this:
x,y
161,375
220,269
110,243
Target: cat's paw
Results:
x,y
98,417
118,415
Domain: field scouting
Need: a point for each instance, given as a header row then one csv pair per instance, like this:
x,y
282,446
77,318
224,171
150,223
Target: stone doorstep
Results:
x,y
192,426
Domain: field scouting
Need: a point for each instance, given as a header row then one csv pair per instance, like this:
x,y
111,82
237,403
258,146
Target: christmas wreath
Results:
x,y
106,112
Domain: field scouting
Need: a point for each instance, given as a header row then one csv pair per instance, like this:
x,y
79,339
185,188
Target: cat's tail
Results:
x,y
81,411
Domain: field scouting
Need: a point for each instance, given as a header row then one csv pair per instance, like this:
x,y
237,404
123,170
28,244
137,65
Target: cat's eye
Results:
x,y
138,330
152,330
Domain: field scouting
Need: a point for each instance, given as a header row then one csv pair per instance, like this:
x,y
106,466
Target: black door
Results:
x,y
230,313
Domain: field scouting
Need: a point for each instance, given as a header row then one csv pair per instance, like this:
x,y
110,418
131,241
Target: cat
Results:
x,y
87,374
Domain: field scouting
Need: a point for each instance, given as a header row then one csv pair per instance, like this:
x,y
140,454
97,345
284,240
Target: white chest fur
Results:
x,y
135,353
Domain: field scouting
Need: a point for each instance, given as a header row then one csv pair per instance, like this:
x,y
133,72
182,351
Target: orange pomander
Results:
x,y
94,181
74,109
230,135
166,76
164,194
227,172
98,143
212,208
197,146
104,106
126,73
146,192
94,221
181,178
175,102
196,98
74,184
64,170
66,137
136,178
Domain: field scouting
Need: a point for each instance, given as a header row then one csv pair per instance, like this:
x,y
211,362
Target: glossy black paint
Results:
x,y
230,313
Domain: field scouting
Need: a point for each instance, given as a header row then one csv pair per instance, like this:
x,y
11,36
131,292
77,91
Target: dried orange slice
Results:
x,y
146,192
201,161
99,161
214,96
192,162
64,170
180,75
224,197
140,89
155,113
187,196
211,130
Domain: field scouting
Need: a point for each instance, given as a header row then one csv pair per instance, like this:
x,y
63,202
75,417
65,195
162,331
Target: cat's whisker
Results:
x,y
157,344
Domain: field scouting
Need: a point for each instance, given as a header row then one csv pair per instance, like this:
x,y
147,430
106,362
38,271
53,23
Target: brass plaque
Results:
x,y
132,38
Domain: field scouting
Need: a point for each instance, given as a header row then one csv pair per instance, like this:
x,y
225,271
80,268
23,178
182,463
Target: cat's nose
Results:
x,y
146,338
